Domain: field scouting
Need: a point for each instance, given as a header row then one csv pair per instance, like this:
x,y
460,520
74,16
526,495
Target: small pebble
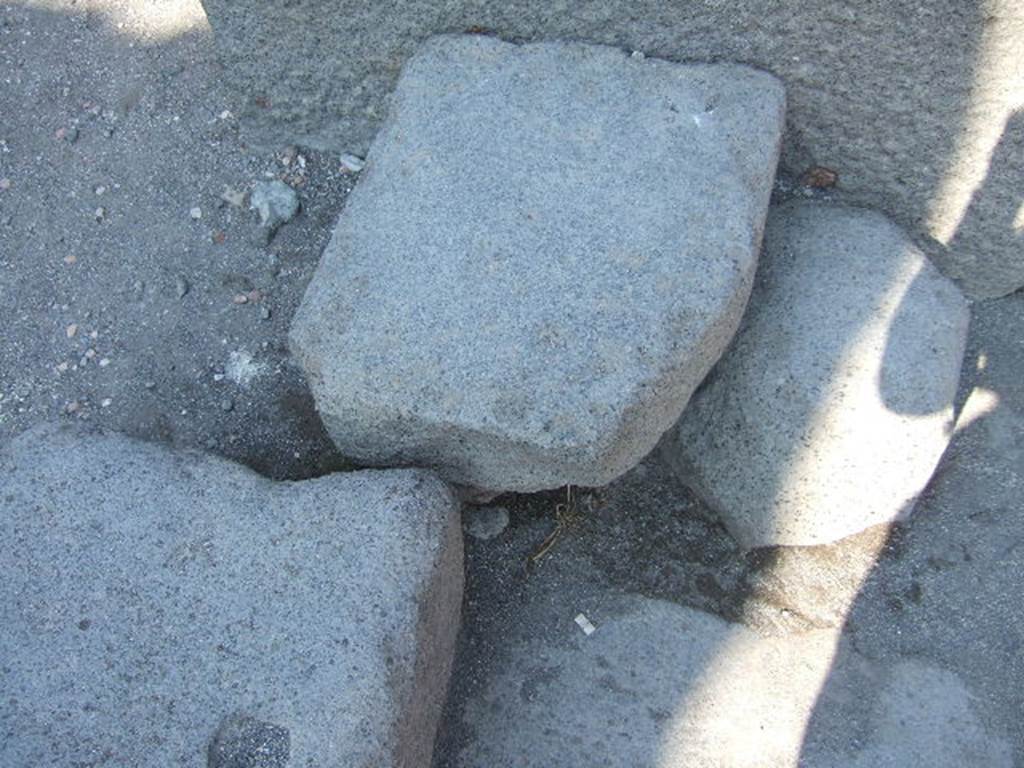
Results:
x,y
235,197
100,213
5,183
100,189
227,404
819,177
585,624
352,163
105,402
71,135
265,313
71,330
90,353
70,259
72,407
240,298
485,523
63,366
150,384
104,362
276,203
196,213
181,286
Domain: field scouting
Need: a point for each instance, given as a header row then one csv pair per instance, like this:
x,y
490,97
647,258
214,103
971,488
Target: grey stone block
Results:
x,y
162,608
657,685
549,248
915,106
830,410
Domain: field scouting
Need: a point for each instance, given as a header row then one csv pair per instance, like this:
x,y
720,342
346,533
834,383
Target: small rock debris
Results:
x,y
820,177
584,623
352,163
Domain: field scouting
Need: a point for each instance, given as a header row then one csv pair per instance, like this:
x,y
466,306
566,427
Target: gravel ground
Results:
x,y
122,272
121,266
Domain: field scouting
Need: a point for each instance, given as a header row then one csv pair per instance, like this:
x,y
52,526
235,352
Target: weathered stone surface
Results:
x,y
912,105
661,686
831,408
549,248
163,608
943,595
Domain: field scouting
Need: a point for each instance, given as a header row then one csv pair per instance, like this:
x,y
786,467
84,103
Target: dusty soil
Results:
x,y
118,306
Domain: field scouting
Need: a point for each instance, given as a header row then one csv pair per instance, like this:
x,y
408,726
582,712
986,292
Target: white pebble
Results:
x,y
352,163
584,623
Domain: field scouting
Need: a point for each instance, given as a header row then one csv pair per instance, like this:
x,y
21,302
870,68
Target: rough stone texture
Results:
x,y
944,592
912,104
168,608
549,248
831,408
658,686
948,591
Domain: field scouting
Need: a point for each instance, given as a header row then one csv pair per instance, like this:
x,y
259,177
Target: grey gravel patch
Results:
x,y
553,243
169,153
245,742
